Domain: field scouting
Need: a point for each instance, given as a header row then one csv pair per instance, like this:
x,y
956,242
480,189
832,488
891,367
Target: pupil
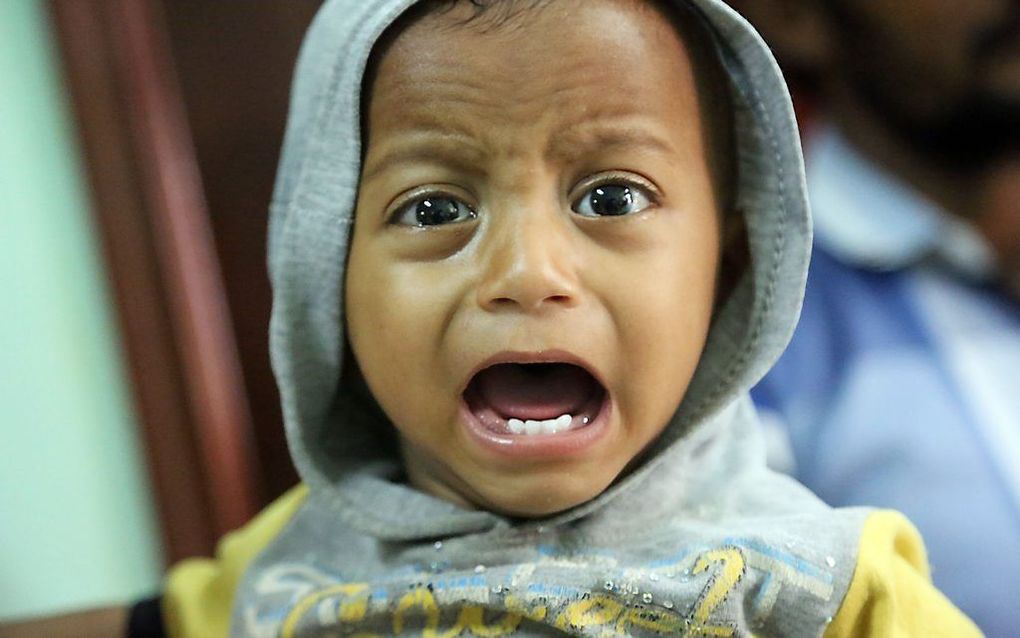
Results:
x,y
437,211
612,200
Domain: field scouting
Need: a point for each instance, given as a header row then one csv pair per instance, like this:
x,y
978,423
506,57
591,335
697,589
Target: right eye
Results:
x,y
612,200
433,210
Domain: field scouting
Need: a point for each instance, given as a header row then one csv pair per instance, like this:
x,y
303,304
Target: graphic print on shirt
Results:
x,y
690,594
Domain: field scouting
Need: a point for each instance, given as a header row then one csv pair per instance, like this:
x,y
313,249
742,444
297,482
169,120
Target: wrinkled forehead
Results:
x,y
546,58
525,31
517,21
465,70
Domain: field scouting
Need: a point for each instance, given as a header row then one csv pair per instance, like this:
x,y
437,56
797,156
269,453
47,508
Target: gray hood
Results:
x,y
705,478
314,202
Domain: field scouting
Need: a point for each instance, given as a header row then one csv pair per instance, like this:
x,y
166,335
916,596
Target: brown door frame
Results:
x,y
151,215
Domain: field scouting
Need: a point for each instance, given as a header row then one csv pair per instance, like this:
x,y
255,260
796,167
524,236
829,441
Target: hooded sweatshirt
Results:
x,y
701,539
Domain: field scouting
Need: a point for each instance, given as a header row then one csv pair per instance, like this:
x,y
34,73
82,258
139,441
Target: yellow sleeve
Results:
x,y
891,594
199,592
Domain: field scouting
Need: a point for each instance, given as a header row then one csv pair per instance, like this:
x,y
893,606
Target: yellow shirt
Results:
x,y
891,594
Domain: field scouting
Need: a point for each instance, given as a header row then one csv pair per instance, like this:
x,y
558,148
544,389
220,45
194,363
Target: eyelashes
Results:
x,y
433,210
612,199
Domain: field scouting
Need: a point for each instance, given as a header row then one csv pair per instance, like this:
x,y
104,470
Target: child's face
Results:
x,y
534,192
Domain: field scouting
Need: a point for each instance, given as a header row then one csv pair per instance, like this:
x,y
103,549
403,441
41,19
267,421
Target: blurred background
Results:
x,y
140,420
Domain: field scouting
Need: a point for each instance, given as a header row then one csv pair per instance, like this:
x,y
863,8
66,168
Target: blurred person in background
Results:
x,y
902,385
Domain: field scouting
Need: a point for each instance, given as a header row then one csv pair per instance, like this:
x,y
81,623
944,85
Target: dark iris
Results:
x,y
611,200
437,210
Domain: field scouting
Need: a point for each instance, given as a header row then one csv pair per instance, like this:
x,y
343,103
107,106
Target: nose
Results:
x,y
530,263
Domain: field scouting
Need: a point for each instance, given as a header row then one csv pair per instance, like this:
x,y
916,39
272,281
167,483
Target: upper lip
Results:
x,y
539,356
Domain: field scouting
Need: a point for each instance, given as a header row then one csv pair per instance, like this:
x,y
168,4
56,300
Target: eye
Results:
x,y
433,210
612,199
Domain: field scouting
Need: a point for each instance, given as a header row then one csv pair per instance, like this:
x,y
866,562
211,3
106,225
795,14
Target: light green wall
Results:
x,y
76,519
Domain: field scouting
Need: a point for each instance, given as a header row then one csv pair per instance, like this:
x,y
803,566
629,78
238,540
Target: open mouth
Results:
x,y
534,399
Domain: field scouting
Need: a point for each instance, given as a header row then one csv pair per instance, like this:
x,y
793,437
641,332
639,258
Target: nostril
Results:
x,y
557,300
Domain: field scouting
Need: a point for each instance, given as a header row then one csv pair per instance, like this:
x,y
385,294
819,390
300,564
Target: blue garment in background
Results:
x,y
901,387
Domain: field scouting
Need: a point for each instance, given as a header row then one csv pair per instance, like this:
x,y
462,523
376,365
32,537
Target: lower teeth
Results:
x,y
548,426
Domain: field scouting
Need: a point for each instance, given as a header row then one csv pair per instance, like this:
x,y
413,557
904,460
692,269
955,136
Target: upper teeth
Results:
x,y
548,426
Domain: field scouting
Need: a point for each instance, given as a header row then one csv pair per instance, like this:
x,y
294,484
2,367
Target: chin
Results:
x,y
543,500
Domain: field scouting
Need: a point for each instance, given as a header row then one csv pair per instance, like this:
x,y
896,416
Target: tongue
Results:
x,y
535,391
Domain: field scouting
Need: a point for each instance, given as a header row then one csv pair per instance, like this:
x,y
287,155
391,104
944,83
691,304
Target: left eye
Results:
x,y
612,200
433,210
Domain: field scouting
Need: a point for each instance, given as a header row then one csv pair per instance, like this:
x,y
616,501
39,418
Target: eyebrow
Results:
x,y
428,145
581,139
462,150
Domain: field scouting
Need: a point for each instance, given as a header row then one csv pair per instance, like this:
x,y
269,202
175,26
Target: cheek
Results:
x,y
668,282
369,315
662,307
397,321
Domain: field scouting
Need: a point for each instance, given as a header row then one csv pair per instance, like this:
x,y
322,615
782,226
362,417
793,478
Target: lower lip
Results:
x,y
569,443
